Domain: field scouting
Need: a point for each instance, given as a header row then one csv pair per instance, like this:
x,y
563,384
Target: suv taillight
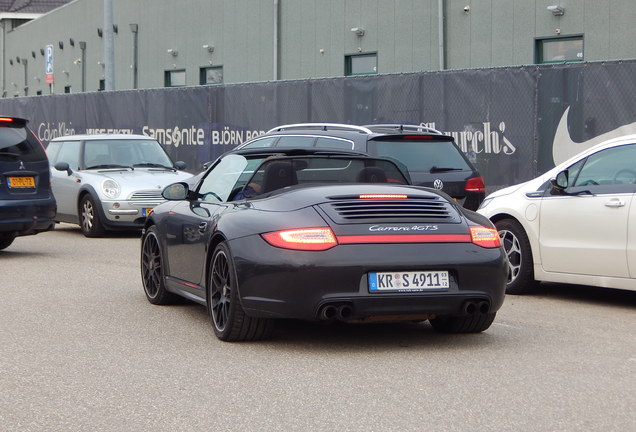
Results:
x,y
475,184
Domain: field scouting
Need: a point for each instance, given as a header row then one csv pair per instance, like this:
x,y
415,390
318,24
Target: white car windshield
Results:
x,y
127,153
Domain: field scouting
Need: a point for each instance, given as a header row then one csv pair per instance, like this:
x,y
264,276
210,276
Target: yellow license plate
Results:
x,y
21,182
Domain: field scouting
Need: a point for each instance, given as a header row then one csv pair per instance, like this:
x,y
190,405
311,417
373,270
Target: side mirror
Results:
x,y
559,184
180,165
176,191
63,166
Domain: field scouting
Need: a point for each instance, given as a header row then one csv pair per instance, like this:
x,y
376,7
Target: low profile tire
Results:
x,y
229,321
463,324
520,263
6,240
90,222
152,274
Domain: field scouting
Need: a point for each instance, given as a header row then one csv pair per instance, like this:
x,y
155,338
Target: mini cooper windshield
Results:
x,y
101,154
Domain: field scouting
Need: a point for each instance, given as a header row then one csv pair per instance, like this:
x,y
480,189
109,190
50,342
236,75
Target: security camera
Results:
x,y
467,8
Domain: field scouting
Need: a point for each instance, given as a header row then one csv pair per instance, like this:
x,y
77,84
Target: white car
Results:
x,y
109,182
574,224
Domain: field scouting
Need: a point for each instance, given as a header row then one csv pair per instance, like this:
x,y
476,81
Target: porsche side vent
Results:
x,y
406,210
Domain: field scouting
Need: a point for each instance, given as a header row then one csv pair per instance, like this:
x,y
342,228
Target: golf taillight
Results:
x,y
475,184
485,237
306,239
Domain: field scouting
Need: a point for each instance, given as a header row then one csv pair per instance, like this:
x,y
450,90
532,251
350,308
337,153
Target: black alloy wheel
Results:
x,y
229,321
152,273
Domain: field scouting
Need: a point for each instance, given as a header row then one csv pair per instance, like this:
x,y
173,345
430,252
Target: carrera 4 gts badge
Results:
x,y
404,228
438,184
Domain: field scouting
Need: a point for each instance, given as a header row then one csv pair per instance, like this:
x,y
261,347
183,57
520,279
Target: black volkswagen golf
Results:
x,y
320,235
27,205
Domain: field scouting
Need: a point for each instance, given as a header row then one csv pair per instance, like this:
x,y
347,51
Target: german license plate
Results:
x,y
413,281
146,211
21,182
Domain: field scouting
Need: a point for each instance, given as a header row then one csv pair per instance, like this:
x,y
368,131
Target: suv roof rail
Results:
x,y
405,127
323,126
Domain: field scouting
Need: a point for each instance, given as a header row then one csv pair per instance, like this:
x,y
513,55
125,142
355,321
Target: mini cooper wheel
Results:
x,y
519,256
229,321
90,223
474,323
152,275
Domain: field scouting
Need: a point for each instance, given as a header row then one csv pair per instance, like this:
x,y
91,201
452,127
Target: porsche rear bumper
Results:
x,y
281,283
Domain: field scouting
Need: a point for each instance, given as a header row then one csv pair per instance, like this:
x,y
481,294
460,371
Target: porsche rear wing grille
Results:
x,y
393,210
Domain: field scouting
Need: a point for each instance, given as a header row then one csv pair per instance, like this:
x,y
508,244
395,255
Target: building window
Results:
x,y
38,93
361,64
102,85
559,49
67,89
175,78
211,75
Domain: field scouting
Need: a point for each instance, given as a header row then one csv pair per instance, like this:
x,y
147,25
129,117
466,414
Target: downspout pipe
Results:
x,y
109,46
276,39
441,27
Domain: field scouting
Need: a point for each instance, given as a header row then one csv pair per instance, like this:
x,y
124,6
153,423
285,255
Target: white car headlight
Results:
x,y
110,188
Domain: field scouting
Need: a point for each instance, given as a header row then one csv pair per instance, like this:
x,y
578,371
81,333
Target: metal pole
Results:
x,y
109,46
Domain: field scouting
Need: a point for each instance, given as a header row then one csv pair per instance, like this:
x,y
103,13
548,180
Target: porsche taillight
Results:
x,y
485,237
306,239
475,184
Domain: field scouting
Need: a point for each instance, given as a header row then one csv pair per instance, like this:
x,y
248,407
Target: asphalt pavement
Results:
x,y
81,349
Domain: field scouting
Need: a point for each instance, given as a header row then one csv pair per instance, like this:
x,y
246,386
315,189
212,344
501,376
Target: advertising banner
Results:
x,y
513,123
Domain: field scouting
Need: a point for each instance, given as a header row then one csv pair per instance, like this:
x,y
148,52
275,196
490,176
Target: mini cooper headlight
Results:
x,y
110,188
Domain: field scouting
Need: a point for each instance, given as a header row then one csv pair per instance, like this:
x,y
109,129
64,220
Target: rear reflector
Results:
x,y
475,184
308,239
485,237
382,196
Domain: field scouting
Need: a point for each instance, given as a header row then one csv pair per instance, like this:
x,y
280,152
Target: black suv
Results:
x,y
432,158
27,205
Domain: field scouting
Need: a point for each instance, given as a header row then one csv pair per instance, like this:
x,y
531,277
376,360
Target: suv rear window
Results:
x,y
17,140
422,156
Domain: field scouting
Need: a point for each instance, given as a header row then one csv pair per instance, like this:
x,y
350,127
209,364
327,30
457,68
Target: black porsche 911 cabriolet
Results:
x,y
320,235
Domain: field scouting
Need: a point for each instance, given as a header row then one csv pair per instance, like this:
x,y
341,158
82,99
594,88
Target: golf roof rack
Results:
x,y
321,126
404,127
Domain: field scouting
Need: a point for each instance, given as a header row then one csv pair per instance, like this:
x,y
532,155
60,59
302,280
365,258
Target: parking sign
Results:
x,y
48,68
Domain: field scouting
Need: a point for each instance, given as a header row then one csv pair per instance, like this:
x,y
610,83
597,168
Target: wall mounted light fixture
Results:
x,y
557,10
172,52
210,48
359,31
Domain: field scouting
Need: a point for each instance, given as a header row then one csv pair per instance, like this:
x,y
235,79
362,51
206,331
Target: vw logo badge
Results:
x,y
438,184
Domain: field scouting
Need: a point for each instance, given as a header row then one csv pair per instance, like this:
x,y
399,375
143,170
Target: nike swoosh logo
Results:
x,y
563,147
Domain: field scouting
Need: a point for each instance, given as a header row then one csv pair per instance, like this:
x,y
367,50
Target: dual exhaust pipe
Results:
x,y
476,307
333,312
